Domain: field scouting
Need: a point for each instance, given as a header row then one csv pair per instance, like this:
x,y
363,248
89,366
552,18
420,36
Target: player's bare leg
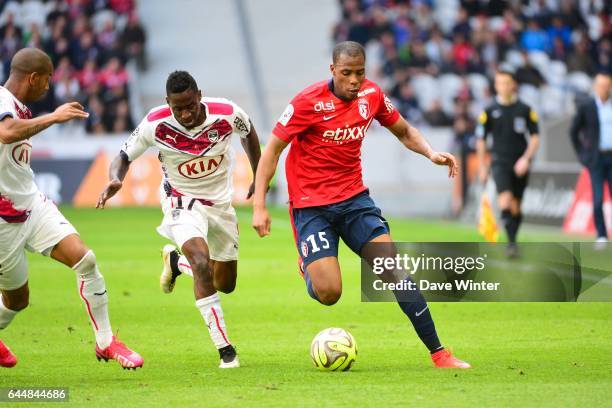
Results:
x,y
72,252
11,302
224,275
413,304
324,280
208,301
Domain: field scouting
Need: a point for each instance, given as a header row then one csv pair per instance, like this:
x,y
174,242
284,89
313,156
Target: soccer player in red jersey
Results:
x,y
325,125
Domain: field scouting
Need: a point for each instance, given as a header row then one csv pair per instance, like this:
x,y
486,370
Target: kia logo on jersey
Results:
x,y
22,154
324,106
200,167
364,109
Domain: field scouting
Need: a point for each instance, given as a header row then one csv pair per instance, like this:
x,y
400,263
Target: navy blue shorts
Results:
x,y
318,230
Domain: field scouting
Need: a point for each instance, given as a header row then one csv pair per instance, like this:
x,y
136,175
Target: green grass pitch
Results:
x,y
523,354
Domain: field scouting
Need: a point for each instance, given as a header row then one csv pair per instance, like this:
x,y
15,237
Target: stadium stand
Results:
x,y
90,43
424,50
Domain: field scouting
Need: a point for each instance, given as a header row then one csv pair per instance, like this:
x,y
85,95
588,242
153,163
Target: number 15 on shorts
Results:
x,y
311,241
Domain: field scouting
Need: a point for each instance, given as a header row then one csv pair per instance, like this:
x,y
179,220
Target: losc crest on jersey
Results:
x,y
364,108
200,167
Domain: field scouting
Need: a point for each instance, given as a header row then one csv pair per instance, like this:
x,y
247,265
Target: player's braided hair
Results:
x,y
180,81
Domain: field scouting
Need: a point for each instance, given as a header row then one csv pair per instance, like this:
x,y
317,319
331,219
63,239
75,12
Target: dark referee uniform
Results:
x,y
510,126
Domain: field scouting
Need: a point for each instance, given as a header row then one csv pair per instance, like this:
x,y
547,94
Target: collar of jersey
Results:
x,y
19,103
512,101
198,129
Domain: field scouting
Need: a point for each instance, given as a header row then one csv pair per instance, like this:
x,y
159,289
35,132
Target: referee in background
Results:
x,y
513,127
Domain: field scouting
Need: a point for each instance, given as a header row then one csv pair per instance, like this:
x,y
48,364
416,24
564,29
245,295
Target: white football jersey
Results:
x,y
196,162
17,187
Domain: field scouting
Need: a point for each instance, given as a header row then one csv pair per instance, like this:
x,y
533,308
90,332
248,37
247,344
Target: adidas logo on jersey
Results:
x,y
341,134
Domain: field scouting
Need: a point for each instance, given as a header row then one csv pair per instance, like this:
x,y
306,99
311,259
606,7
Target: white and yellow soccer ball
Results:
x,y
333,349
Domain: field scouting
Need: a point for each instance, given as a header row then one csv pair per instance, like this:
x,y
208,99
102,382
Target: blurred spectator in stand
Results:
x,y
121,120
436,46
419,63
407,103
107,36
88,75
379,22
94,122
462,52
114,74
580,59
435,115
133,40
462,26
534,38
559,30
528,74
603,54
10,43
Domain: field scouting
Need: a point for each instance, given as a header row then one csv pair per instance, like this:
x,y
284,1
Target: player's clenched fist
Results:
x,y
110,190
69,111
261,221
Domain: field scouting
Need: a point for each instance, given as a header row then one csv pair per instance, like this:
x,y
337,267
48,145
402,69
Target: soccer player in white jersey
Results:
x,y
29,220
192,135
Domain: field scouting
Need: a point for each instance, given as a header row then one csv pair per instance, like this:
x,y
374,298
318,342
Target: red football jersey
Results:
x,y
326,133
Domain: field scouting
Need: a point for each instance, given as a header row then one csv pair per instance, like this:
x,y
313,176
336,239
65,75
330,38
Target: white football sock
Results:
x,y
210,308
93,292
184,266
6,315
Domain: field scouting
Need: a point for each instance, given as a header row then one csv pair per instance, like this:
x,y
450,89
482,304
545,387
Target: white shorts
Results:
x,y
217,225
44,228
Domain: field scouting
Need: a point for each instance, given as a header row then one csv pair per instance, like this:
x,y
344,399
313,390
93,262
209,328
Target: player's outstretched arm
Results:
x,y
252,148
118,169
265,172
414,140
16,130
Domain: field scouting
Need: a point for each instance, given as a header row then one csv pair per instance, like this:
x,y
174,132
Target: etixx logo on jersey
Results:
x,y
364,108
200,167
22,153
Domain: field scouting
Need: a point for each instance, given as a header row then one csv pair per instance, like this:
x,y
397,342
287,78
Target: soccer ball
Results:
x,y
333,349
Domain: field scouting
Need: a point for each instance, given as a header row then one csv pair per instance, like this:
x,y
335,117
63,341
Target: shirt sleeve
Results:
x,y
293,121
242,123
532,122
387,115
139,141
484,125
6,108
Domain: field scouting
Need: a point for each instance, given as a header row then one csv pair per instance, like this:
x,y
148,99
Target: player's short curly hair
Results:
x,y
180,81
350,48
